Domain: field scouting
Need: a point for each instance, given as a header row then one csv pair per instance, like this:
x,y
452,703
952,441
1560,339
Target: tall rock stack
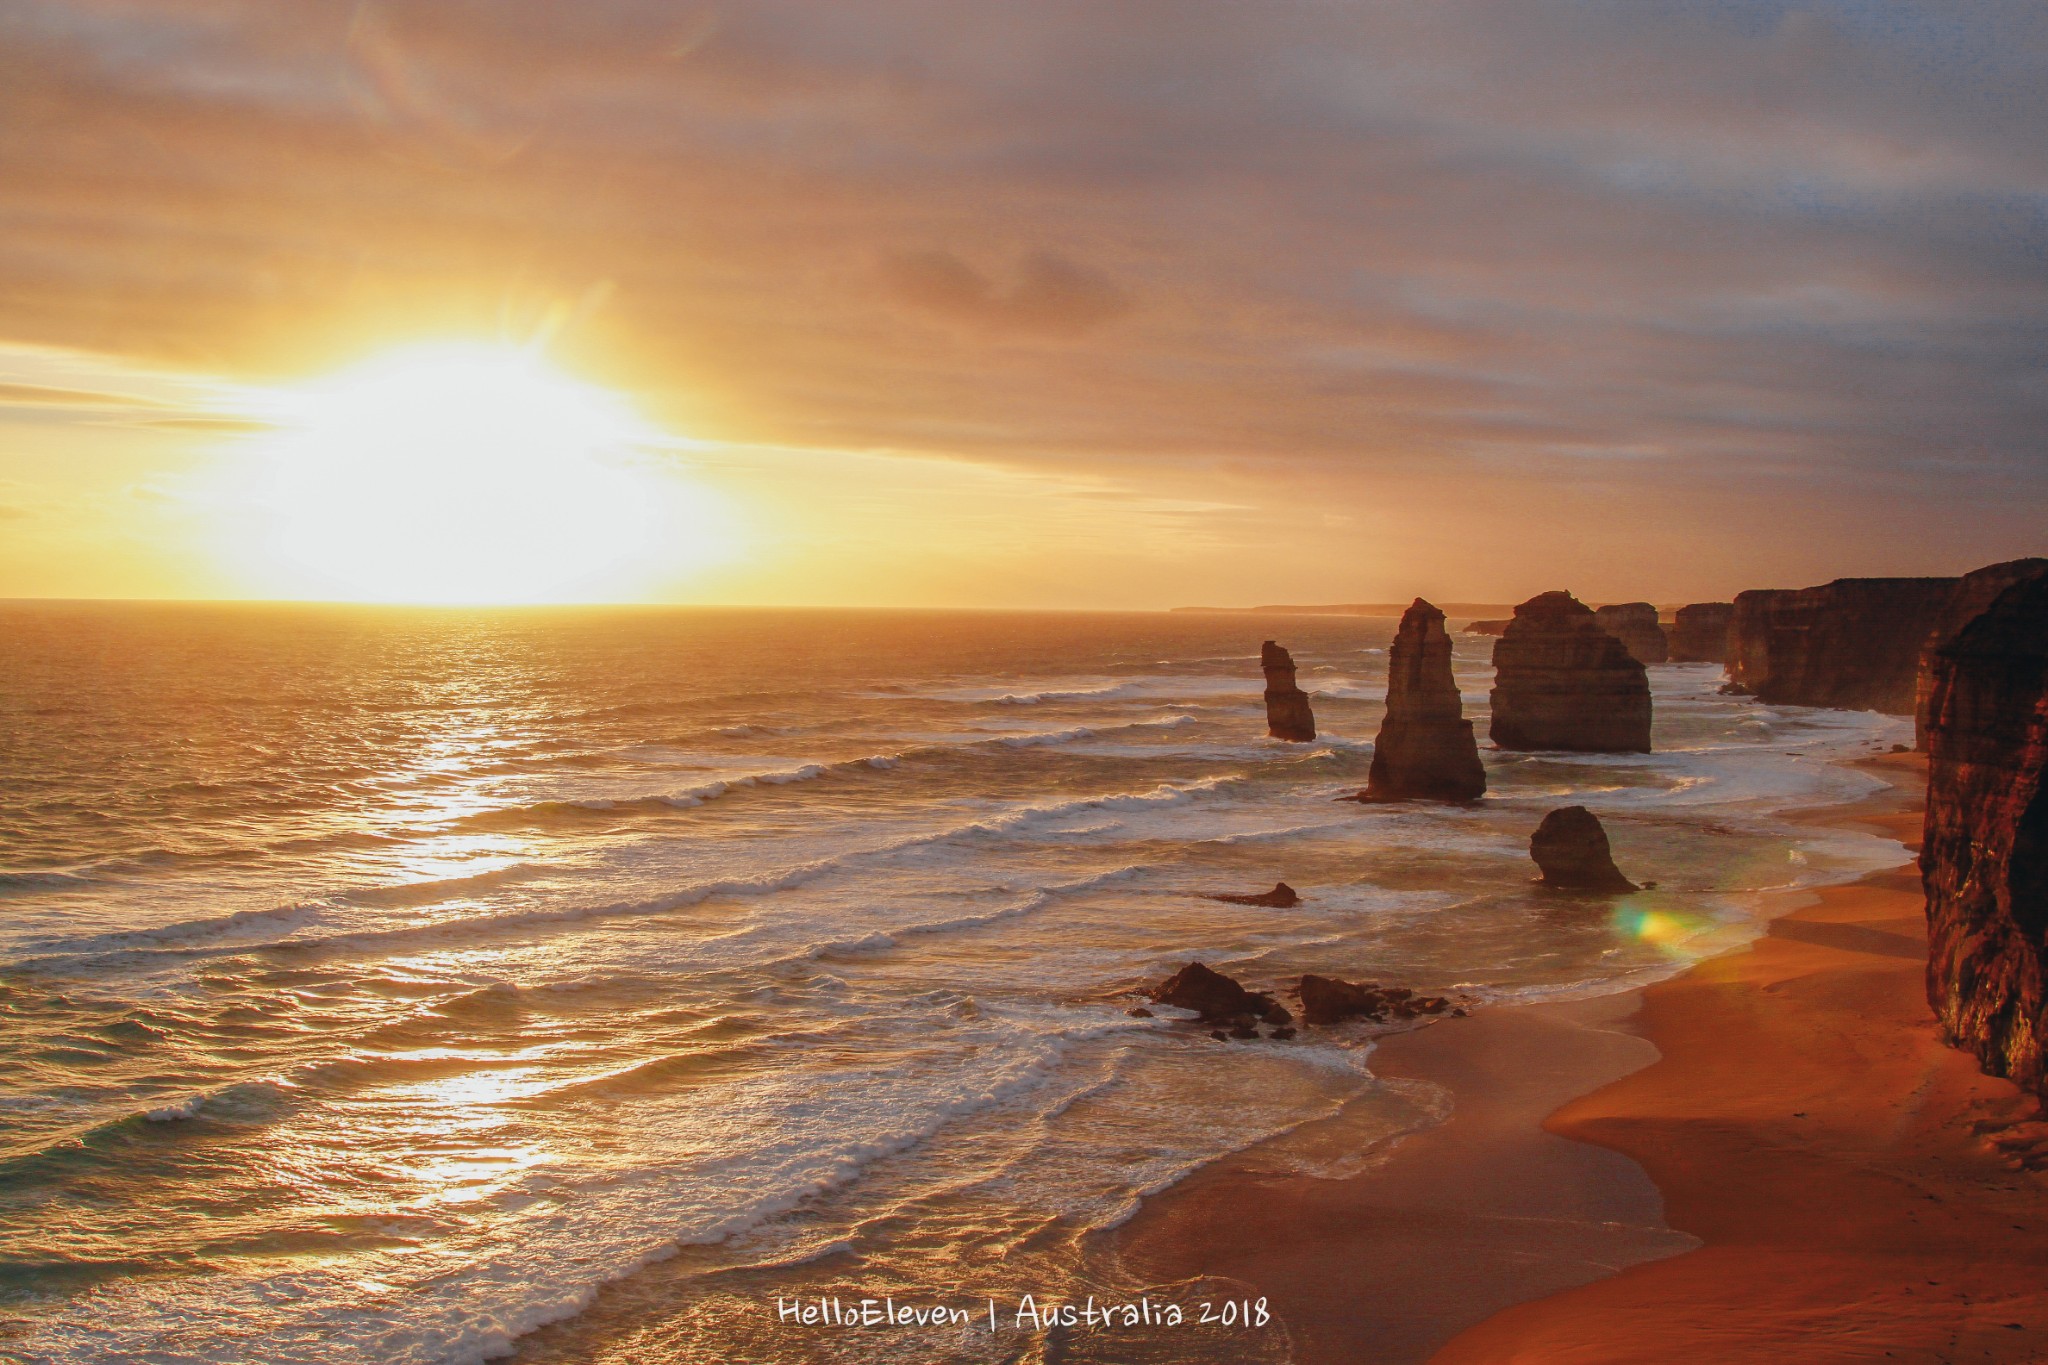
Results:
x,y
1561,682
1699,633
1287,710
1973,595
1854,643
1425,750
1635,625
1984,858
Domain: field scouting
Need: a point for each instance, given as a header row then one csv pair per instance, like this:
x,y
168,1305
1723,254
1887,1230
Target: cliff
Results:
x,y
1635,625
1699,633
1287,711
1425,749
1561,682
1973,594
1854,643
1984,858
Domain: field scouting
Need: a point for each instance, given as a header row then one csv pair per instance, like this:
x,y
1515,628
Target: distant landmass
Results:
x,y
1362,609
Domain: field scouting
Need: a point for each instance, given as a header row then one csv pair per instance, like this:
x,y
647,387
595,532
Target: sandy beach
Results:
x,y
1768,1158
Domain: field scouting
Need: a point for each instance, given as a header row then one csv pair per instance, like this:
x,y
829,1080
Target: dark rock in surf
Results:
x,y
1215,997
1570,848
1281,897
1288,715
1328,1000
1425,749
1483,627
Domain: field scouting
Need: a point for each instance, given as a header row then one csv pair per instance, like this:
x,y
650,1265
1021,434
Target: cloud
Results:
x,y
1050,294
1693,254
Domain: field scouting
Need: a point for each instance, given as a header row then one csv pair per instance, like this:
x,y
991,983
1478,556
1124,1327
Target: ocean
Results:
x,y
390,985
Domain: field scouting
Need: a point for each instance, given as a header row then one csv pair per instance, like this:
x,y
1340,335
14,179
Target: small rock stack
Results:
x,y
1287,711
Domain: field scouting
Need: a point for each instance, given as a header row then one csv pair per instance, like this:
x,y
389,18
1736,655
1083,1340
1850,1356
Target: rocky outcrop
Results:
x,y
1699,633
1561,682
1327,1000
1485,627
1217,998
1973,594
1570,849
1854,643
1425,750
1984,856
1635,624
1287,711
1281,897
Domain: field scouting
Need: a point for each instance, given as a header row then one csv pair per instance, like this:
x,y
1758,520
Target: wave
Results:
x,y
107,949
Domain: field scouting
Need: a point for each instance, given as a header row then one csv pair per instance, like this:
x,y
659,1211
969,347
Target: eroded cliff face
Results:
x,y
1425,750
1973,594
1854,643
1699,633
1287,710
1635,625
1984,860
1561,682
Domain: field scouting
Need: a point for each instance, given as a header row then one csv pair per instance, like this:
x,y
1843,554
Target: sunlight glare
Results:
x,y
476,474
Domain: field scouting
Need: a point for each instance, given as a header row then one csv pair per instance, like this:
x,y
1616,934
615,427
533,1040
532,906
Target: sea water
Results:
x,y
393,986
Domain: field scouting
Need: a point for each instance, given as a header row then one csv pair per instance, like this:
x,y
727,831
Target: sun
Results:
x,y
473,473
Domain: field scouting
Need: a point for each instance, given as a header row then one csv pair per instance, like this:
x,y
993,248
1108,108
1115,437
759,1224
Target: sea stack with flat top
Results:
x,y
1984,853
1425,750
1635,624
1562,682
1287,712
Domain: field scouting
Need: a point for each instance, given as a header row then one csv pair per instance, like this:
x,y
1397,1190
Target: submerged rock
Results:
x,y
1635,624
1699,633
1425,750
1287,710
1570,848
1984,854
1281,897
1215,997
1561,682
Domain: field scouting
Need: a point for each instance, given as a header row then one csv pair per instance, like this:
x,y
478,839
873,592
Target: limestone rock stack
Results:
x,y
1635,625
1425,750
1699,633
1561,682
1287,711
1984,857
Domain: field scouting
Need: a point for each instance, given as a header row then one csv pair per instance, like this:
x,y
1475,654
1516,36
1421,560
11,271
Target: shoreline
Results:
x,y
1768,1156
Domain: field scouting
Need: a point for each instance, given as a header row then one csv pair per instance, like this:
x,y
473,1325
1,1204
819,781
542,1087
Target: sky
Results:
x,y
1090,303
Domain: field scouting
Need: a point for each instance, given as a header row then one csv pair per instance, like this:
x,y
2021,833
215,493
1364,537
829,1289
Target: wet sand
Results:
x,y
1769,1158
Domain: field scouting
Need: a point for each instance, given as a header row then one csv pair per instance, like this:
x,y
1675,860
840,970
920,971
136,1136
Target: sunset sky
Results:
x,y
1096,303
